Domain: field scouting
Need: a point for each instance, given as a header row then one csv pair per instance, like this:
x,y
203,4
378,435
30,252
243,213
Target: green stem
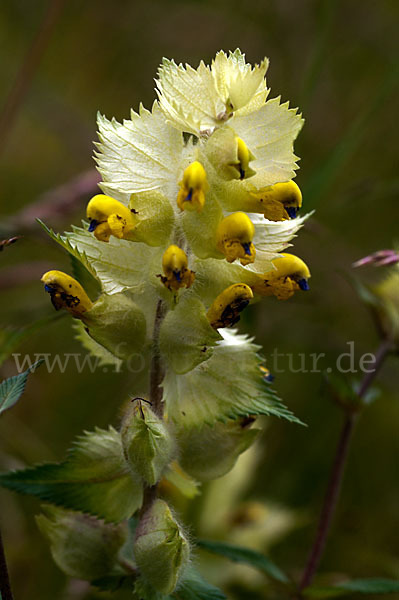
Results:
x,y
337,472
5,588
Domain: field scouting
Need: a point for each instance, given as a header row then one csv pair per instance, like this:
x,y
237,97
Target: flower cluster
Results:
x,y
197,206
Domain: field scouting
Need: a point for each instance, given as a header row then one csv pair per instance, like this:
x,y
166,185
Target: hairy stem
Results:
x,y
337,472
5,588
156,369
156,377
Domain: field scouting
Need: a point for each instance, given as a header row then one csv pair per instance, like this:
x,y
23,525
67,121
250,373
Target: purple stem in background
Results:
x,y
28,69
337,471
5,588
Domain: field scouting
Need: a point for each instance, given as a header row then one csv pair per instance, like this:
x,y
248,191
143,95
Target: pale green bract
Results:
x,y
227,386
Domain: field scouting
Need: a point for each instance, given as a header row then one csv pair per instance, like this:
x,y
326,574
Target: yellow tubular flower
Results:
x,y
193,188
175,268
109,217
244,156
279,202
234,237
291,274
66,292
225,309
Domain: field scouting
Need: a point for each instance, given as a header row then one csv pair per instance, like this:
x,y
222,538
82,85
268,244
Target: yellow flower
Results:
x,y
193,188
226,308
244,156
175,268
109,217
234,238
290,274
277,202
66,292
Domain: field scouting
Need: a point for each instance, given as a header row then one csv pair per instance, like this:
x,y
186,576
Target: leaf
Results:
x,y
270,133
90,284
63,241
104,356
228,385
186,337
188,96
194,587
179,479
141,154
11,389
112,262
94,479
246,556
358,586
82,546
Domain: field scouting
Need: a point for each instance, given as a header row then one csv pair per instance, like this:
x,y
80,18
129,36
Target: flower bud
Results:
x,y
209,452
290,274
109,217
177,274
147,444
277,202
193,188
118,324
161,549
387,305
229,155
225,309
66,292
234,238
82,546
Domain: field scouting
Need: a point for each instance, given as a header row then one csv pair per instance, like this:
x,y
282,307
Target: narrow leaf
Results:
x,y
194,587
246,556
12,388
358,586
94,479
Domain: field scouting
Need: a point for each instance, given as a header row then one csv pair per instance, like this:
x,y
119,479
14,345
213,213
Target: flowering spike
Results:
x,y
174,264
290,274
234,238
225,309
66,292
278,202
193,188
109,217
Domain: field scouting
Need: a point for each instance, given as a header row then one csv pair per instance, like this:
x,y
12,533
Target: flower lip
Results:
x,y
292,211
304,285
234,238
93,225
193,187
66,292
175,268
226,308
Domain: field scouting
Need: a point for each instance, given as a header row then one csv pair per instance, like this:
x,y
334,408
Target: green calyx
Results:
x,y
161,549
147,443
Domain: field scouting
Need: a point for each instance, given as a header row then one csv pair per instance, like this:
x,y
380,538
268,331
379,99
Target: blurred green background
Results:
x,y
337,61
